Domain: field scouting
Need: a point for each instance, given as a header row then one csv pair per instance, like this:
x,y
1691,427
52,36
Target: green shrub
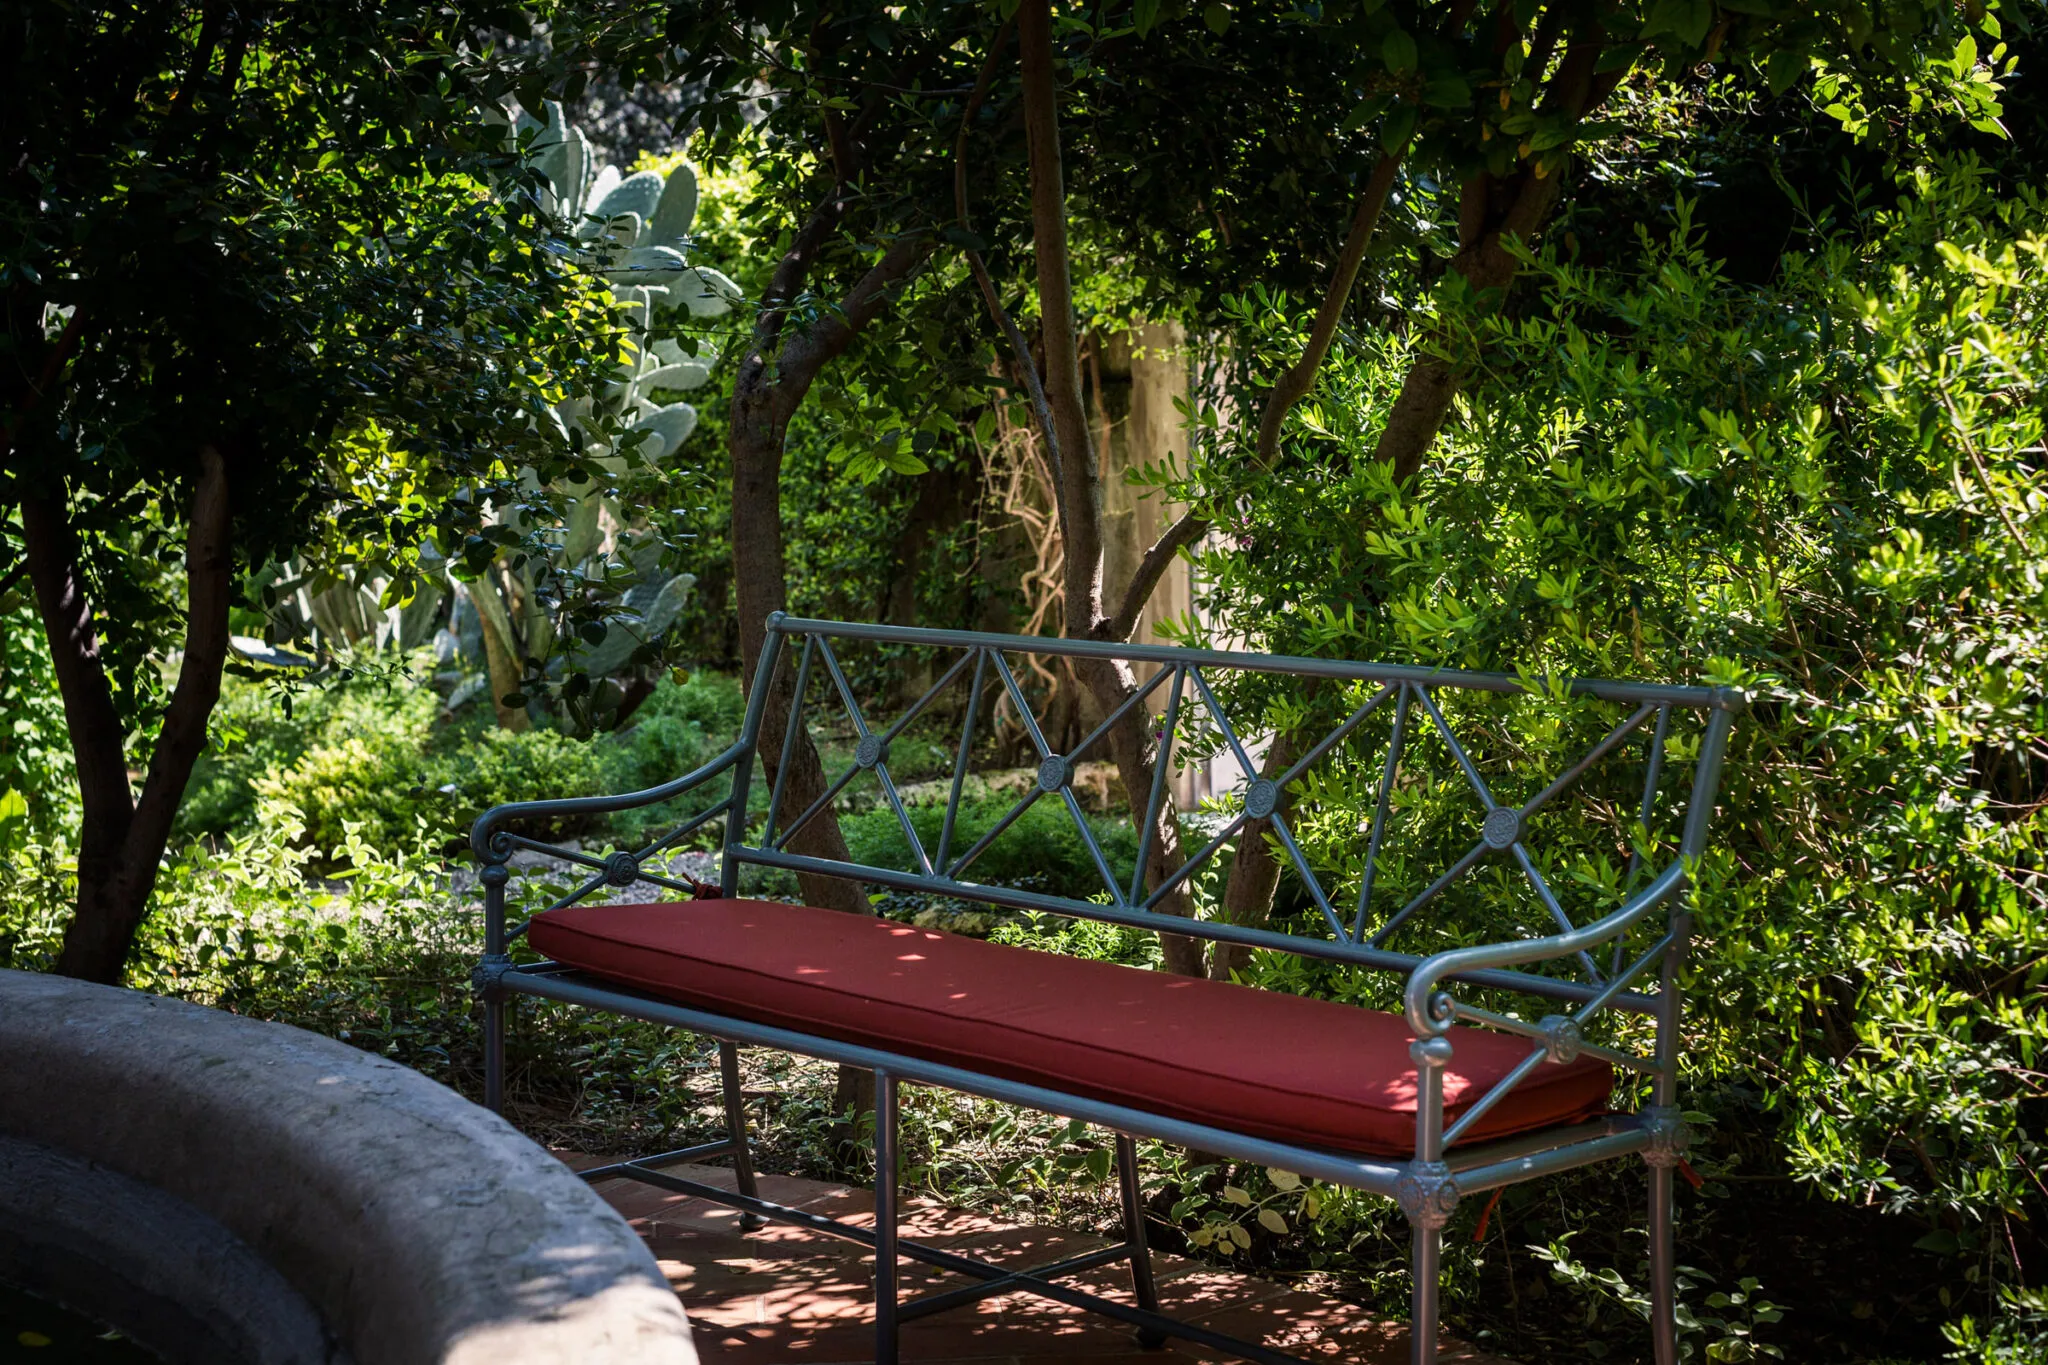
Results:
x,y
1042,851
1826,488
374,754
260,733
681,727
709,702
360,759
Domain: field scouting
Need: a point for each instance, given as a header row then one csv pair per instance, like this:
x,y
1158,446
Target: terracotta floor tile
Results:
x,y
785,1294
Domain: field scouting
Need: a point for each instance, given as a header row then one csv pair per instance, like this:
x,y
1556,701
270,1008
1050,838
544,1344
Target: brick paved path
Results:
x,y
787,1294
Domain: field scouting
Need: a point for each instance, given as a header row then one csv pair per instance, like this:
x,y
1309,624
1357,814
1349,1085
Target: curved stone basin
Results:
x,y
225,1191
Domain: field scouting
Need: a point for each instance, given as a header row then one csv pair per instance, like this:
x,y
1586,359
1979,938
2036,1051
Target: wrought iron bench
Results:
x,y
1446,1099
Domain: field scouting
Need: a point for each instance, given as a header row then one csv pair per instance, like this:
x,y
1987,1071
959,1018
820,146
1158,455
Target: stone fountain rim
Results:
x,y
423,1229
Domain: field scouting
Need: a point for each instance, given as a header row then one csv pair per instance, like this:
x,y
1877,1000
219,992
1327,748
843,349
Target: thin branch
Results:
x,y
1983,473
1184,532
1544,40
209,579
1294,385
1062,374
804,356
1034,385
202,63
53,363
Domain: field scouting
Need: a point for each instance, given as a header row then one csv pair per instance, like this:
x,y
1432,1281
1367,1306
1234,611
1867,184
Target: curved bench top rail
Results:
x,y
491,824
1184,700
1659,694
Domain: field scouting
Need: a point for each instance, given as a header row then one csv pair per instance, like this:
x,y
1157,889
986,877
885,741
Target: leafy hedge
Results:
x,y
1830,488
377,756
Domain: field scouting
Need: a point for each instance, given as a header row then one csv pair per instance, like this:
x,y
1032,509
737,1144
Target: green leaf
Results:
x,y
1271,1221
1448,92
1784,67
1216,15
1098,1163
1399,51
1399,127
1620,57
1145,13
1366,112
1688,20
1941,1242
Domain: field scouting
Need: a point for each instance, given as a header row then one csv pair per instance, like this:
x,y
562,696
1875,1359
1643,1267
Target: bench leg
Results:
x,y
1663,1270
494,1051
736,1130
1426,1261
885,1218
1668,1141
1142,1287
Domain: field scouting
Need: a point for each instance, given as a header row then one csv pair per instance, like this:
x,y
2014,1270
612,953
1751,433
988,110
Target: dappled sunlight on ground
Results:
x,y
785,1293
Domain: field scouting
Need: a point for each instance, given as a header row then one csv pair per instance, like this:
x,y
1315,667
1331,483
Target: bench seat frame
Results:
x,y
1428,1186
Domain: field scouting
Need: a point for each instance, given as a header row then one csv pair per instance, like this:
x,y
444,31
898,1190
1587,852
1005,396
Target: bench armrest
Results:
x,y
1430,1014
494,819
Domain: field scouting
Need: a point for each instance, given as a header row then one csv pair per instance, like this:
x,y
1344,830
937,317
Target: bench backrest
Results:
x,y
1397,724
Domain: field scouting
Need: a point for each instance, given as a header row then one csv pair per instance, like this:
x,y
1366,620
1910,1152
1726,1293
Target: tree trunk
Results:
x,y
774,375
1109,682
1493,211
761,589
121,839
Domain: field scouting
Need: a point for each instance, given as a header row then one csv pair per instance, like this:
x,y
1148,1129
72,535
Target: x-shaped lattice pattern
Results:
x,y
1501,827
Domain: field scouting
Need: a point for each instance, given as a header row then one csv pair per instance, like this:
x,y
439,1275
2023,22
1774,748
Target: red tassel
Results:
x,y
1485,1214
1692,1177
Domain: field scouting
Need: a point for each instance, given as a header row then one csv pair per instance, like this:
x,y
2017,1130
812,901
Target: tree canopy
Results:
x,y
258,293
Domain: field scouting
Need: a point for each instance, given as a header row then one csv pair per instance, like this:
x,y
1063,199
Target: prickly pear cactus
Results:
x,y
636,228
634,231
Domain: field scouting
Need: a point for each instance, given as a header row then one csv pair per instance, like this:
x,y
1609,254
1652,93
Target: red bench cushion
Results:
x,y
1252,1061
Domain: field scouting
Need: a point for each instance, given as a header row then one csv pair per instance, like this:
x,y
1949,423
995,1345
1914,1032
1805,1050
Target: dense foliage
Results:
x,y
1827,487
260,299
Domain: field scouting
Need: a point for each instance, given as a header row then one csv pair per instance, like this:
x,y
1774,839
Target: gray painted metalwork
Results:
x,y
1436,992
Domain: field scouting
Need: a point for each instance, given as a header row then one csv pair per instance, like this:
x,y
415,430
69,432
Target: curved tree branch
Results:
x,y
209,592
56,568
53,365
803,356
1294,385
1184,532
1082,527
1020,346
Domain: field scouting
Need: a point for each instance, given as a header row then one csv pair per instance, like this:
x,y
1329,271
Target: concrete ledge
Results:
x,y
420,1227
